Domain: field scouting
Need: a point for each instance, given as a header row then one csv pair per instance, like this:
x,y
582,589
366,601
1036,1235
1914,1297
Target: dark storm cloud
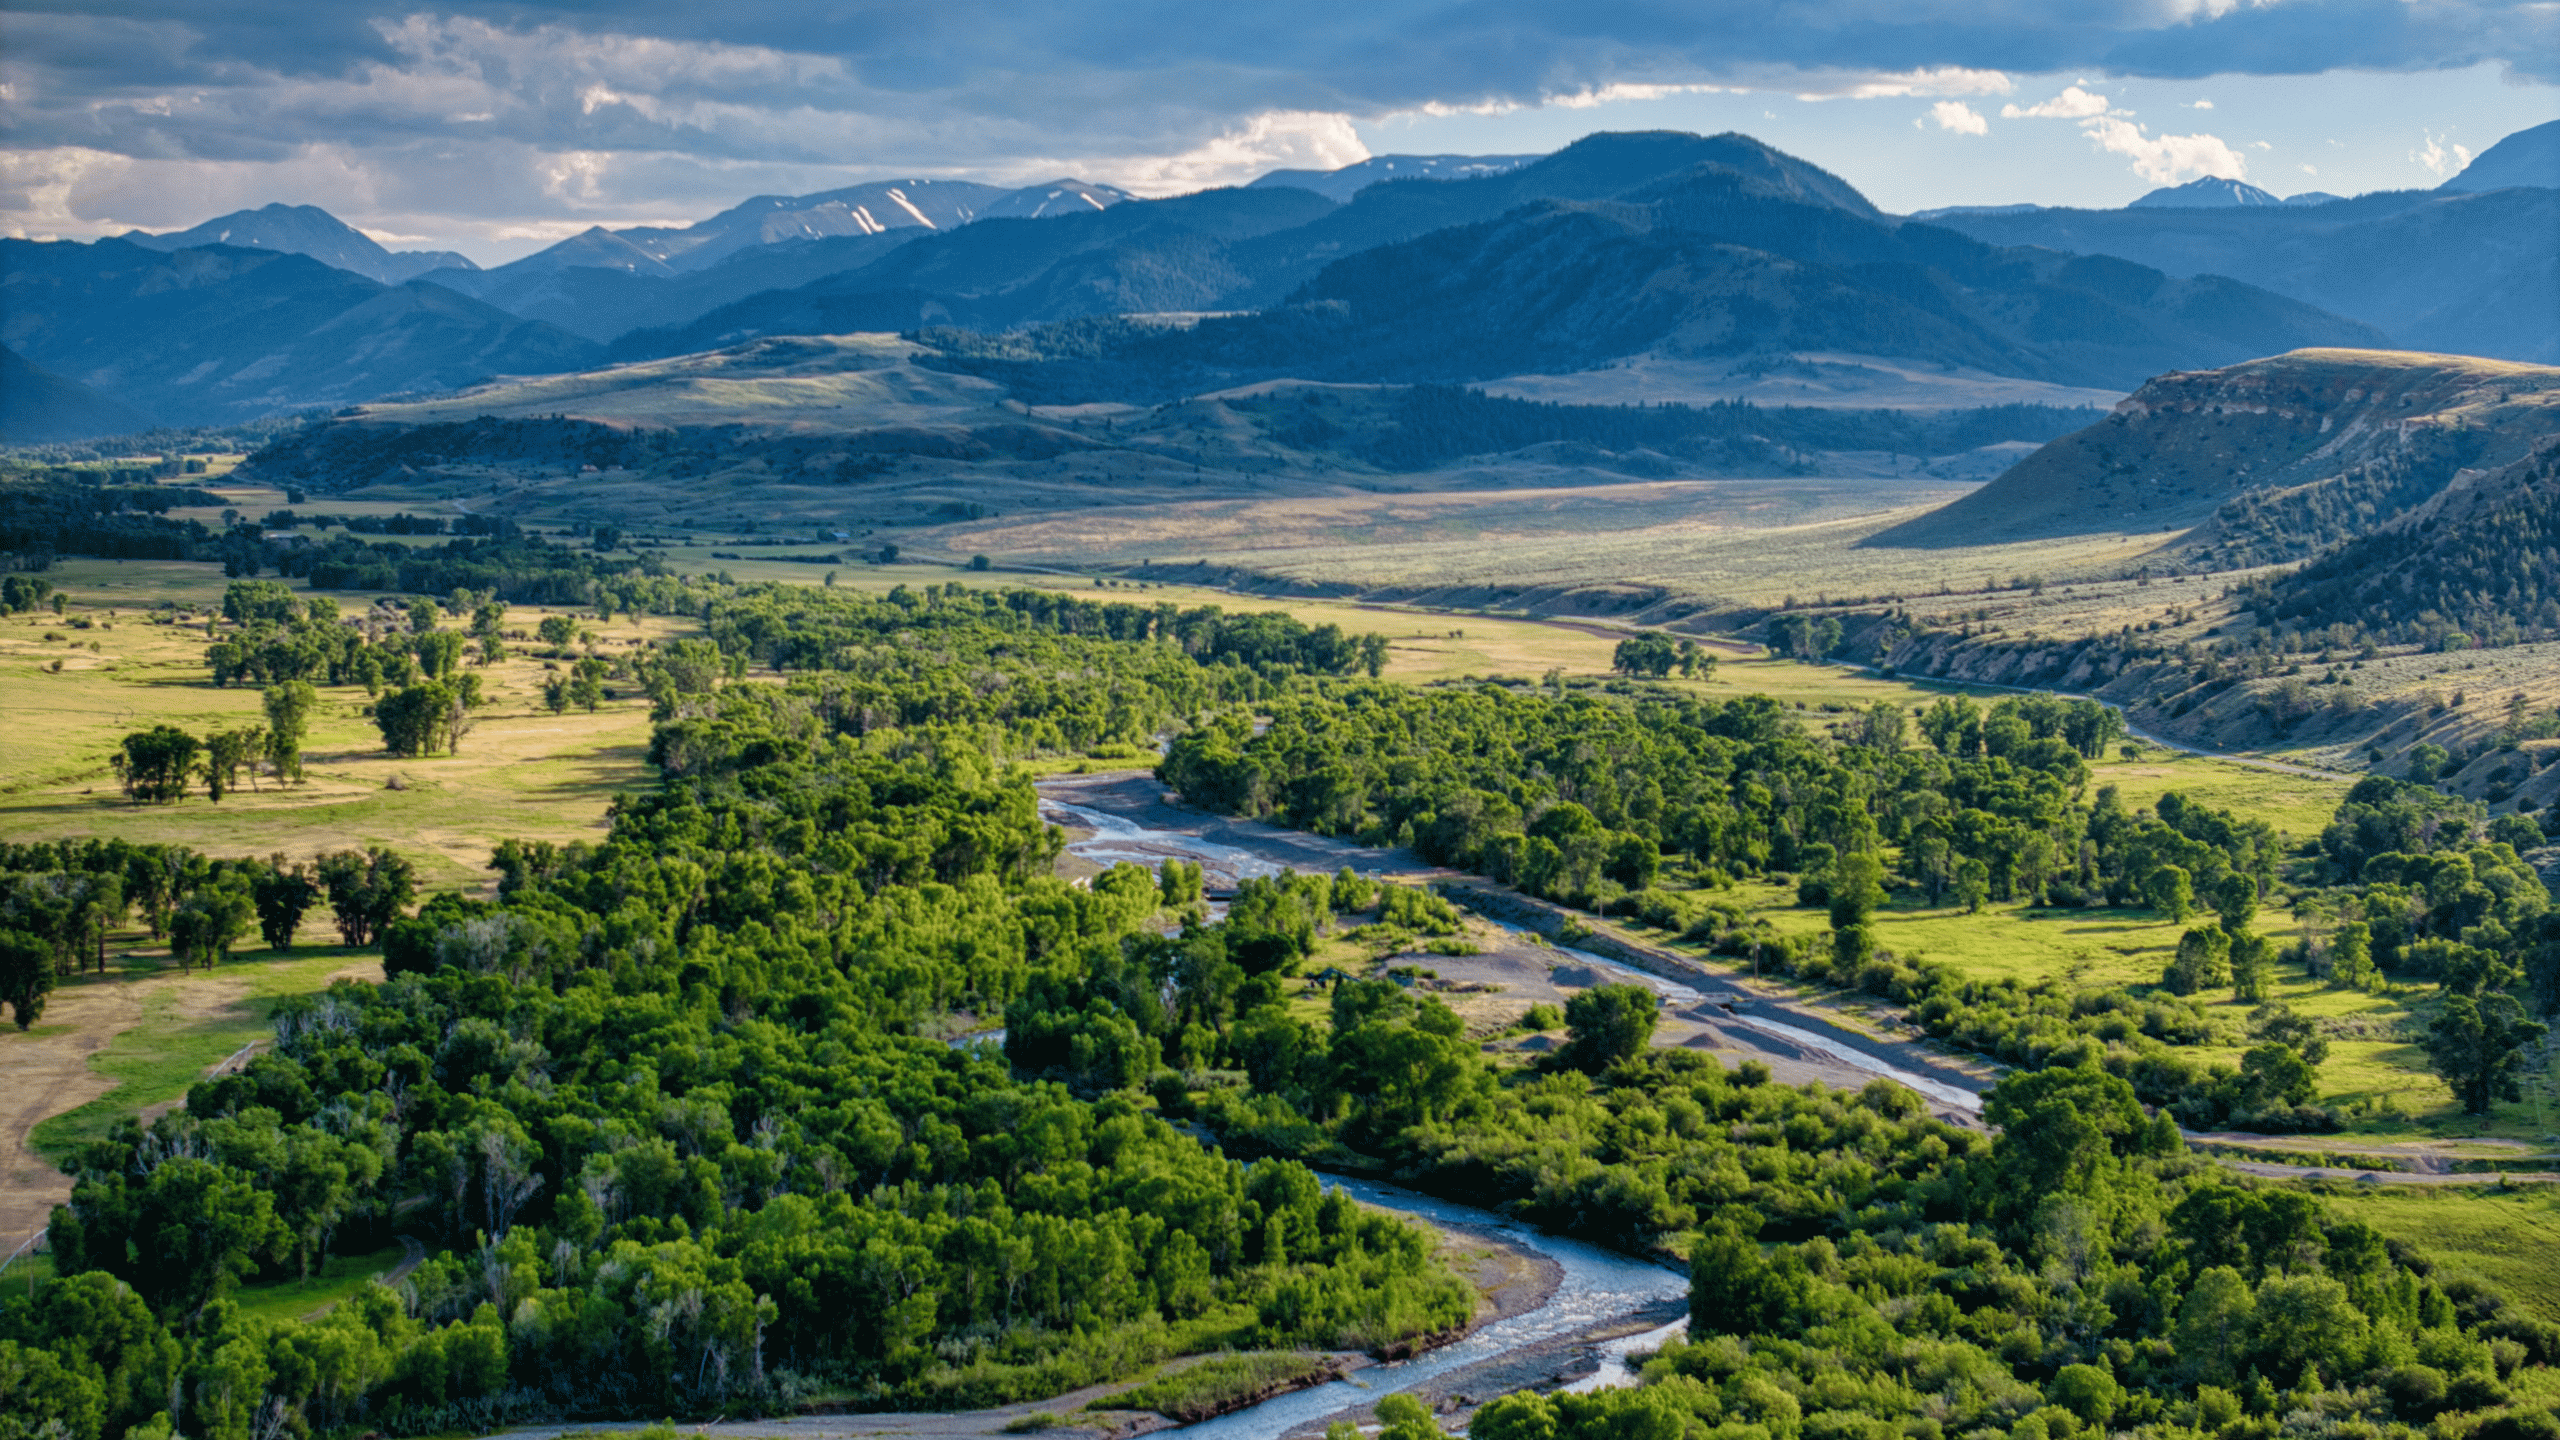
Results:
x,y
158,112
158,77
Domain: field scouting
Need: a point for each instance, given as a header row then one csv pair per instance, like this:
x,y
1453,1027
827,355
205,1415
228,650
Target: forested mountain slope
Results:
x,y
2477,563
1708,262
36,404
602,301
1138,256
217,334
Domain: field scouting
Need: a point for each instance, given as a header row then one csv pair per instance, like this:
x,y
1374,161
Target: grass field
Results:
x,y
2508,1238
1755,541
336,1278
522,772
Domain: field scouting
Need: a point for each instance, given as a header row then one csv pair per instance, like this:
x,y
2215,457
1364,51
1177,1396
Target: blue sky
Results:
x,y
2345,132
496,128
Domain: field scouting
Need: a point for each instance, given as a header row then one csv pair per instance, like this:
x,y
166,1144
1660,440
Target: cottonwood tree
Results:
x,y
2477,1044
367,890
155,764
288,705
209,921
225,753
1606,1024
26,975
1650,654
282,895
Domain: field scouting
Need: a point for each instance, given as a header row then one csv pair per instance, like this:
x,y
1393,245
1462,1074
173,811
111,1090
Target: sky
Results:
x,y
496,129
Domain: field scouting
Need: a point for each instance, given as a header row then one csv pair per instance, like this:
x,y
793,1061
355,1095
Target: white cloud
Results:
x,y
1273,140
1931,80
2073,103
2166,159
1958,116
2310,169
1589,98
2441,159
2201,105
2260,145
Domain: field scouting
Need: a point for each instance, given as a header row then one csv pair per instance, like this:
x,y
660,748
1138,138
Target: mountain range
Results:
x,y
1684,244
221,333
1340,185
2471,267
306,230
1721,246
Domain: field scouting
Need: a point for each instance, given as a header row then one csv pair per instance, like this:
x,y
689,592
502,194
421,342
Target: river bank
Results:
x,y
1550,1307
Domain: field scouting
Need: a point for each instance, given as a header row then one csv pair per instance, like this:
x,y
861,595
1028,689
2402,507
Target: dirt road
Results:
x,y
45,1072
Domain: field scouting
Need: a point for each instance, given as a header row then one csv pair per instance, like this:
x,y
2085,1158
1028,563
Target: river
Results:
x,y
1129,824
1598,1286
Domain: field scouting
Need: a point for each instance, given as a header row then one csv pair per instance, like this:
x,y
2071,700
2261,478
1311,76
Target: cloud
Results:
x,y
2310,169
2166,159
515,113
2441,160
2162,159
1958,116
1936,80
2073,103
2200,105
1275,140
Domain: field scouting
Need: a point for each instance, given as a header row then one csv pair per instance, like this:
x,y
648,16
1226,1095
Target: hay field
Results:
x,y
1752,542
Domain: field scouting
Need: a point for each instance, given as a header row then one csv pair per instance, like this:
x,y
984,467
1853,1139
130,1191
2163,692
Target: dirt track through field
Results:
x,y
47,1071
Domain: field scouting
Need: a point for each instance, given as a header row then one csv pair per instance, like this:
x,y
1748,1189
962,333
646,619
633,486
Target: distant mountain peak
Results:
x,y
876,208
1350,180
2210,193
306,230
1624,159
1064,196
2528,157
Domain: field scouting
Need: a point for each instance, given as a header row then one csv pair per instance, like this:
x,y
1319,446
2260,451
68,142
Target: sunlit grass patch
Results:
x,y
335,1279
2507,1238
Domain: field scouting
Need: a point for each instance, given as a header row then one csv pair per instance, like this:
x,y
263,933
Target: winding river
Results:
x,y
1119,837
1598,1286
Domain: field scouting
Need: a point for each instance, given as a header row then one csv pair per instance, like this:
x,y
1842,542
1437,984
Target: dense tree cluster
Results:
x,y
1581,798
664,1110
2077,1276
1584,798
59,899
44,517
690,1119
2432,890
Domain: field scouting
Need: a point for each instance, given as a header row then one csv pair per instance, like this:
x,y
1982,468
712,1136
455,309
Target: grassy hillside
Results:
x,y
2268,460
